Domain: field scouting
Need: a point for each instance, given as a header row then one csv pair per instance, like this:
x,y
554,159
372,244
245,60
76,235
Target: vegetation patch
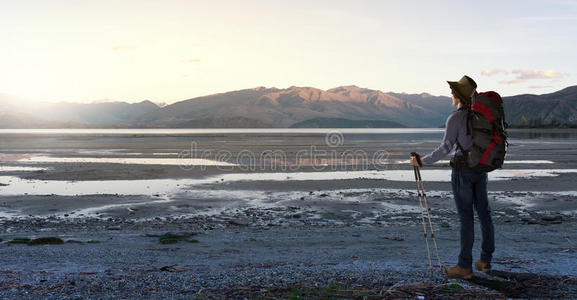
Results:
x,y
171,238
74,242
410,290
19,240
168,240
452,287
332,291
46,241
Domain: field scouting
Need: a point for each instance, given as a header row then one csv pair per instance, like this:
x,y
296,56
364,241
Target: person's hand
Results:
x,y
415,163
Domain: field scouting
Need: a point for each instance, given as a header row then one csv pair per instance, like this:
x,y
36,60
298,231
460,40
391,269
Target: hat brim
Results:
x,y
452,84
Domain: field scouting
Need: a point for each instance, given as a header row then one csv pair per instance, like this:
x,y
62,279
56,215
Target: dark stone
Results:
x,y
552,218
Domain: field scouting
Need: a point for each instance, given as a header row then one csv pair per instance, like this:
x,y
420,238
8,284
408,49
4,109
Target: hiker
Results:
x,y
469,186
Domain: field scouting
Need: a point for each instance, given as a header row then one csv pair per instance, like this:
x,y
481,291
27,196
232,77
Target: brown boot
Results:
x,y
483,266
458,272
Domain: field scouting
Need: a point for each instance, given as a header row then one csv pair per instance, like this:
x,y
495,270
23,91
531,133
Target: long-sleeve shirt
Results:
x,y
455,129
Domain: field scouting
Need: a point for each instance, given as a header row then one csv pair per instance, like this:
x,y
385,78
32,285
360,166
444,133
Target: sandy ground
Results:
x,y
350,238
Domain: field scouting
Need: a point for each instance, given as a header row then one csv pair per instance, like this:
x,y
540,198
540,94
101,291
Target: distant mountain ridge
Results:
x,y
285,107
559,107
99,113
263,107
23,121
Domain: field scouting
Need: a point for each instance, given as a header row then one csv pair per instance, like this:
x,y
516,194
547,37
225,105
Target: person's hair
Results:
x,y
464,103
456,96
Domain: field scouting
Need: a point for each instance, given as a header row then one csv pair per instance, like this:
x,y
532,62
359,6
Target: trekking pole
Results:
x,y
430,222
428,210
418,179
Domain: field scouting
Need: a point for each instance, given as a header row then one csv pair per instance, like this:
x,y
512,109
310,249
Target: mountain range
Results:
x,y
344,106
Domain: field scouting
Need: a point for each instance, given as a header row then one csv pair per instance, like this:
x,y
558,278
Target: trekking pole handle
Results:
x,y
415,168
418,157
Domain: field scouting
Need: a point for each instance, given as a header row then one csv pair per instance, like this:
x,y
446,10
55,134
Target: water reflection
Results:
x,y
17,186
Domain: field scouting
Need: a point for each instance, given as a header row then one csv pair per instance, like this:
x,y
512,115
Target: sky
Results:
x,y
167,51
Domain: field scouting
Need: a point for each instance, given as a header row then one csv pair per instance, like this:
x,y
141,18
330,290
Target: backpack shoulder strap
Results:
x,y
468,123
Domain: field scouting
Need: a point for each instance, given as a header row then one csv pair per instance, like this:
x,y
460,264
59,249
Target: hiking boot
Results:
x,y
483,266
458,272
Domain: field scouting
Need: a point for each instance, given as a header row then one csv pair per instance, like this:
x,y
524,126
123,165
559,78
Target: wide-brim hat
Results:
x,y
464,88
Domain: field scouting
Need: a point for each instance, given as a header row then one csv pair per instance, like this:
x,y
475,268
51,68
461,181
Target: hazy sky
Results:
x,y
174,50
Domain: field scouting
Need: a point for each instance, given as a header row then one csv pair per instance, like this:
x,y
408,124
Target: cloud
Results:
x,y
493,71
512,81
533,74
190,60
523,75
539,86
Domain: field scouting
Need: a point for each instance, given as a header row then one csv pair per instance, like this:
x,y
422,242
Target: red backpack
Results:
x,y
486,119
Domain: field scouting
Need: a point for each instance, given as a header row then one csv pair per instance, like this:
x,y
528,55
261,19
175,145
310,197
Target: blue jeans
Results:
x,y
470,190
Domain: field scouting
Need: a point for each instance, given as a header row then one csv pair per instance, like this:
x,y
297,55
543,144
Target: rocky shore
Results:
x,y
276,253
